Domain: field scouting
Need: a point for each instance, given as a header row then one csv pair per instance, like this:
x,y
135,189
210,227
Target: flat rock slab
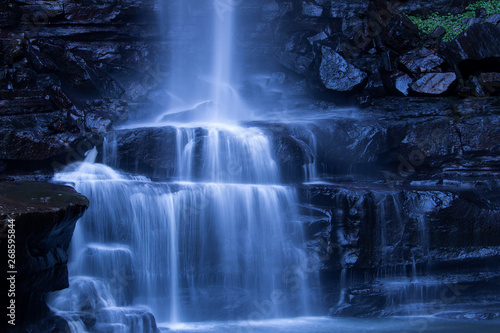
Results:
x,y
17,199
44,216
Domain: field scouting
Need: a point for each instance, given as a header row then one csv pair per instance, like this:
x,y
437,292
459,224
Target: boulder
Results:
x,y
400,82
480,41
434,83
337,74
421,60
311,9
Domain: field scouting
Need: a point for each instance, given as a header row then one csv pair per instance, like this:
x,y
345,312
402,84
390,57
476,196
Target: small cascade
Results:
x,y
222,153
210,245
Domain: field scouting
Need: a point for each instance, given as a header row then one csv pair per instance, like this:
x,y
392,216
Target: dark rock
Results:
x,y
476,88
298,63
58,126
493,19
97,124
30,145
364,101
472,21
421,60
491,82
115,110
350,9
388,61
399,33
311,9
434,83
375,86
45,216
400,83
363,302
336,73
60,98
481,13
438,33
160,157
480,41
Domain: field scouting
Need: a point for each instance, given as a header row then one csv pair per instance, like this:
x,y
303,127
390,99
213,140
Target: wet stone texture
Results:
x,y
44,217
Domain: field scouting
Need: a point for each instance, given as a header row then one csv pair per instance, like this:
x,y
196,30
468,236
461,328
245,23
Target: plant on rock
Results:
x,y
454,23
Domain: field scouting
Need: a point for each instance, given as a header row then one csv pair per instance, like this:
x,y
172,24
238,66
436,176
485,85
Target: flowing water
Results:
x,y
222,241
218,247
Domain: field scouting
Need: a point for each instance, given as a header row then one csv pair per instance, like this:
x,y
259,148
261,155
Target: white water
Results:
x,y
222,242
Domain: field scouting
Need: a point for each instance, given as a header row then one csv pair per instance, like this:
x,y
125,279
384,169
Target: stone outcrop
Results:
x,y
69,71
411,234
377,39
44,218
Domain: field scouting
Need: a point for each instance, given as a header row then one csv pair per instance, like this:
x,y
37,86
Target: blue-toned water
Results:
x,y
339,325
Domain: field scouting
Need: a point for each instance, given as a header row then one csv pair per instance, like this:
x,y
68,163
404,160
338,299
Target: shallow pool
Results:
x,y
339,325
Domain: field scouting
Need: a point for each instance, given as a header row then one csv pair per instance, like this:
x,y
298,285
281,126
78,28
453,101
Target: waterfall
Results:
x,y
221,240
202,66
184,250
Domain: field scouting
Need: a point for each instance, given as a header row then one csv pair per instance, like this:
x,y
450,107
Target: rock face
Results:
x,y
44,218
413,235
68,72
378,39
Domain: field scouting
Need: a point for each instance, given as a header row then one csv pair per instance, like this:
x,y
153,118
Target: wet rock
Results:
x,y
30,145
115,110
297,55
58,126
44,216
421,60
491,82
336,73
434,83
13,48
311,9
438,33
480,41
160,157
292,154
97,124
493,19
375,86
362,302
397,32
475,87
347,9
400,83
200,111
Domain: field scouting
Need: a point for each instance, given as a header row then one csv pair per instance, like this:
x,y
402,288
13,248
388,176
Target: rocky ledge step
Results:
x,y
42,216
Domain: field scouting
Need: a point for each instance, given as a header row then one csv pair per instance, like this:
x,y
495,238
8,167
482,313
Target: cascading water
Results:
x,y
189,251
221,241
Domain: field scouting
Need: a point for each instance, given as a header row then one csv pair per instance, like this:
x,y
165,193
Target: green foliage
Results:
x,y
454,24
491,6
